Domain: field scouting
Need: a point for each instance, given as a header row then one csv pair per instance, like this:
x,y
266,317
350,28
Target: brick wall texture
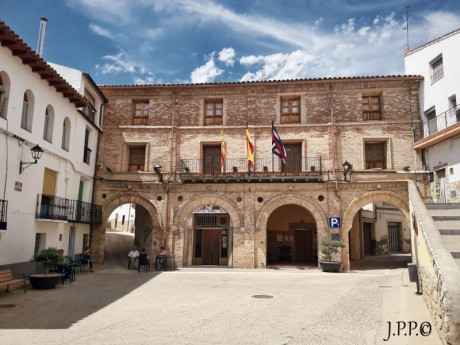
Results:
x,y
331,127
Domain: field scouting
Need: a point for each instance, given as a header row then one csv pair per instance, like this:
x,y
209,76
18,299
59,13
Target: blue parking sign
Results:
x,y
334,222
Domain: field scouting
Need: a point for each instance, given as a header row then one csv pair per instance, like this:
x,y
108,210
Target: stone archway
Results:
x,y
98,233
260,237
356,204
182,226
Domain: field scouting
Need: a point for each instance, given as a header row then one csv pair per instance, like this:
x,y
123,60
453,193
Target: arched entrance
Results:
x,y
288,199
292,236
212,236
183,239
147,232
376,228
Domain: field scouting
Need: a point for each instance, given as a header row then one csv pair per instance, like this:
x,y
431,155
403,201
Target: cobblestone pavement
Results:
x,y
217,306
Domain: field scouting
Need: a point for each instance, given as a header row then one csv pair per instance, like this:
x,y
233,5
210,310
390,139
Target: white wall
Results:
x,y
17,242
418,62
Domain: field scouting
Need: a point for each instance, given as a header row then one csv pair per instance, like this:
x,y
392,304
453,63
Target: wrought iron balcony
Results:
x,y
263,167
89,111
3,214
441,121
73,211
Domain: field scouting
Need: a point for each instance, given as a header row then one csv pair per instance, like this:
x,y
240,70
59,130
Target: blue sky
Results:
x,y
183,41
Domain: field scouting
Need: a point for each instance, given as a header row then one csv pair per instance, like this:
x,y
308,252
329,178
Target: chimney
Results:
x,y
41,36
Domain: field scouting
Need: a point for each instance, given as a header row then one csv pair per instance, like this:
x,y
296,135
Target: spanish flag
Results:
x,y
250,147
222,146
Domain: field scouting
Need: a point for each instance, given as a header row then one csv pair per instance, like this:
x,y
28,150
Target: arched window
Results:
x,y
4,93
48,126
27,111
66,134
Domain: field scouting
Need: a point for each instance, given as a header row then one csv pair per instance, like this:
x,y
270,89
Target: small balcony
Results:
x,y
89,112
441,121
3,214
73,211
300,169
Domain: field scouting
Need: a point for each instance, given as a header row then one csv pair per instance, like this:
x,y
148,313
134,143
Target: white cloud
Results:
x,y
319,21
101,31
207,72
226,55
279,66
144,81
121,63
152,33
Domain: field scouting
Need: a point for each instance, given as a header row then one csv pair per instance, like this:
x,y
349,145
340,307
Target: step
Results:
x,y
444,212
445,218
452,244
443,206
448,224
449,232
456,255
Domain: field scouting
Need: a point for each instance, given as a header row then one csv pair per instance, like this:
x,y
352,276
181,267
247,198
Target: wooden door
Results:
x,y
210,250
303,240
294,159
211,161
394,237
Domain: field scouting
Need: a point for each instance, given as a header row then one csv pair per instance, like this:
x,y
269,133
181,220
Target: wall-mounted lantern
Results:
x,y
157,169
36,155
346,168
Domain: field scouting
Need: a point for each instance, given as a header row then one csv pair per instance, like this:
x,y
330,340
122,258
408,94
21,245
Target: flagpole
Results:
x,y
273,155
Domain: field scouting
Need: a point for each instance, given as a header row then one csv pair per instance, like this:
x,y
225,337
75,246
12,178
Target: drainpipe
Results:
x,y
171,167
334,145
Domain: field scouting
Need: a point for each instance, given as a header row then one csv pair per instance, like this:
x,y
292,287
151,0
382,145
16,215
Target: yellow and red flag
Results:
x,y
250,147
222,146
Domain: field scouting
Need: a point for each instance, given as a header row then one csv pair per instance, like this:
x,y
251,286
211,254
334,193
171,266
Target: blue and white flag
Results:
x,y
277,145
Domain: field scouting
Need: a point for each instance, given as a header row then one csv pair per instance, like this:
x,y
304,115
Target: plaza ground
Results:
x,y
218,306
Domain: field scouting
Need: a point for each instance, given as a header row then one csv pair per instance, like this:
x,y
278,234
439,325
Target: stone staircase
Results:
x,y
447,219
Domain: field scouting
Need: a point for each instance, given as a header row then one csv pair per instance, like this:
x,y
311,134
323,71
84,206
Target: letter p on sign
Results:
x,y
334,222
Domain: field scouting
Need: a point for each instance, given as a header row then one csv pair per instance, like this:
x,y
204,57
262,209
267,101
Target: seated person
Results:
x,y
144,260
133,257
87,256
161,259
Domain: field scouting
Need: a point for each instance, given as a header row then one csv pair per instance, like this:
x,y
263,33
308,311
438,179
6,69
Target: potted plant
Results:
x,y
285,253
328,249
50,259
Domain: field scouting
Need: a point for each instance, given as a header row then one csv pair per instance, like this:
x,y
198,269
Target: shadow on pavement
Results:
x,y
67,304
380,262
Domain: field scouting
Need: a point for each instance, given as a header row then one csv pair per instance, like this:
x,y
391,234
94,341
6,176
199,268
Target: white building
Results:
x,y
122,219
47,204
437,62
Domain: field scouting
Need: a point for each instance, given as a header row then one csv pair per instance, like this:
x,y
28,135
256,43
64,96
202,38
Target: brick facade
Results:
x,y
331,127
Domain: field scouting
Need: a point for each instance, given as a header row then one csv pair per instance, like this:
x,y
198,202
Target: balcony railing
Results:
x,y
208,167
74,211
441,121
3,214
89,111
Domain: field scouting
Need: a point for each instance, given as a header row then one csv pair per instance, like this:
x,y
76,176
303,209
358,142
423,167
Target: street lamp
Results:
x,y
346,168
36,155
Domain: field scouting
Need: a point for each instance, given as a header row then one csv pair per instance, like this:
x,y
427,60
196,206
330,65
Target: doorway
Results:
x,y
211,161
211,236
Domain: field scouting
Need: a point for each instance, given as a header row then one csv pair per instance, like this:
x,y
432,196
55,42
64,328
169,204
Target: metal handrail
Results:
x,y
441,121
261,165
75,211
